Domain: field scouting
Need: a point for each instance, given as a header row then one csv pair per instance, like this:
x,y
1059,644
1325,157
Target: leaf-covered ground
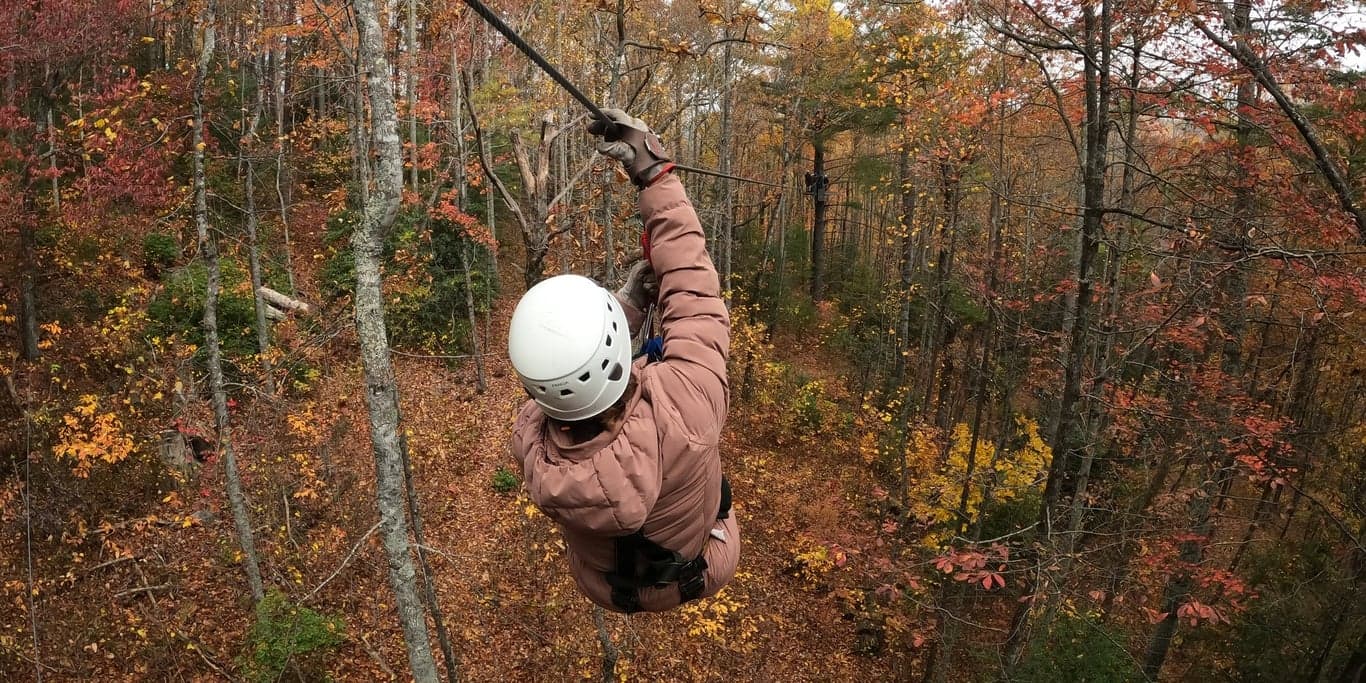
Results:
x,y
159,595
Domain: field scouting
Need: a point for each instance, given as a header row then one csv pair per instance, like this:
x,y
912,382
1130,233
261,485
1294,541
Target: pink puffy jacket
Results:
x,y
660,470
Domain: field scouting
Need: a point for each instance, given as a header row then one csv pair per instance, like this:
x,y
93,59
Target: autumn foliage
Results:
x,y
1066,384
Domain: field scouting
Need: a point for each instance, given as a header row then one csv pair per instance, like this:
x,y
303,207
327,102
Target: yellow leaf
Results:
x,y
109,133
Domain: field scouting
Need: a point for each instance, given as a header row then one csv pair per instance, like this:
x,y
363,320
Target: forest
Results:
x,y
1046,335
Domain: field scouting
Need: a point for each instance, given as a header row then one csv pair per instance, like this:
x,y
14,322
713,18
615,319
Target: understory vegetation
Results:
x,y
1045,359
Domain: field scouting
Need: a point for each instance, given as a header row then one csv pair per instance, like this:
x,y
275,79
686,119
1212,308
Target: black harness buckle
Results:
x,y
694,581
642,563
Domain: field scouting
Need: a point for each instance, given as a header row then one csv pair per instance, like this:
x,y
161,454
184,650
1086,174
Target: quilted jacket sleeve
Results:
x,y
694,318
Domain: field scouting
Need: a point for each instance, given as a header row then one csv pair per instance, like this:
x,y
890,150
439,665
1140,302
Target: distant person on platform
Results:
x,y
621,454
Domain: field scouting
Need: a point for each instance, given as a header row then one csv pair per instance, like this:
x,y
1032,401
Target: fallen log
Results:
x,y
284,302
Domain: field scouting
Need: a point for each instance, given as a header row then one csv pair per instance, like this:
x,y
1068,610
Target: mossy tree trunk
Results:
x,y
208,250
381,389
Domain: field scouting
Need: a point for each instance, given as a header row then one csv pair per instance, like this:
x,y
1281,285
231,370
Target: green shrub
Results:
x,y
337,278
1002,517
432,315
1078,649
1301,587
504,480
288,636
806,406
179,308
160,250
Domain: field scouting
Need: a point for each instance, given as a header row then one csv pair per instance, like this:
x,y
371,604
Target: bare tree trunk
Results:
x,y
1232,321
781,214
907,258
282,193
28,299
208,249
443,637
247,149
944,328
818,186
381,389
1065,440
726,218
613,95
254,264
610,653
410,87
480,382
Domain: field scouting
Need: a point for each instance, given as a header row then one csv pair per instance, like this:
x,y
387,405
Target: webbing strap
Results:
x,y
642,563
724,512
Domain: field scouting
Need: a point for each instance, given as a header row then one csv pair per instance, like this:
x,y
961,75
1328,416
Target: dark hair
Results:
x,y
589,427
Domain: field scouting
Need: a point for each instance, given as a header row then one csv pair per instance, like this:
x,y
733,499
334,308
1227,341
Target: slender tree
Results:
x,y
208,249
381,389
251,119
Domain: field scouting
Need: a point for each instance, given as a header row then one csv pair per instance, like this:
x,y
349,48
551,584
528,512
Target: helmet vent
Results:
x,y
615,374
566,392
609,340
614,326
604,364
541,389
584,377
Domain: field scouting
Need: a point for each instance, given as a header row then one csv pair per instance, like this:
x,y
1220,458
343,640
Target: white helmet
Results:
x,y
570,346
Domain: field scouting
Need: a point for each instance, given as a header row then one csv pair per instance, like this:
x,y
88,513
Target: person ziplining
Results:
x,y
624,454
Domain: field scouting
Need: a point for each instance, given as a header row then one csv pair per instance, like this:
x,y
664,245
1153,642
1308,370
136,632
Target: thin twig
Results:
x,y
28,527
108,563
142,589
610,653
365,644
425,355
143,578
199,649
289,528
345,561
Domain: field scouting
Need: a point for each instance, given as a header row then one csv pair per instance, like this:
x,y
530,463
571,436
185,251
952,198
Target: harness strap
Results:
x,y
642,563
724,512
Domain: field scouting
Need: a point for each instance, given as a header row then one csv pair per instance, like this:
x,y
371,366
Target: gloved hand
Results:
x,y
641,288
628,140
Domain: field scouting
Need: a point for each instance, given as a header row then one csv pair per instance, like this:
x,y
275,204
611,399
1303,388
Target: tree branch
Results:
x,y
1239,50
484,162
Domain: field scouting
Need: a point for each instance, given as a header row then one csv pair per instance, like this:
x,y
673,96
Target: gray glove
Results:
x,y
641,288
628,140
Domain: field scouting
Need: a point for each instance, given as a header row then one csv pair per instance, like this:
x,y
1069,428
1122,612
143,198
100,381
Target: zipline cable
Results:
x,y
482,10
718,174
496,22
